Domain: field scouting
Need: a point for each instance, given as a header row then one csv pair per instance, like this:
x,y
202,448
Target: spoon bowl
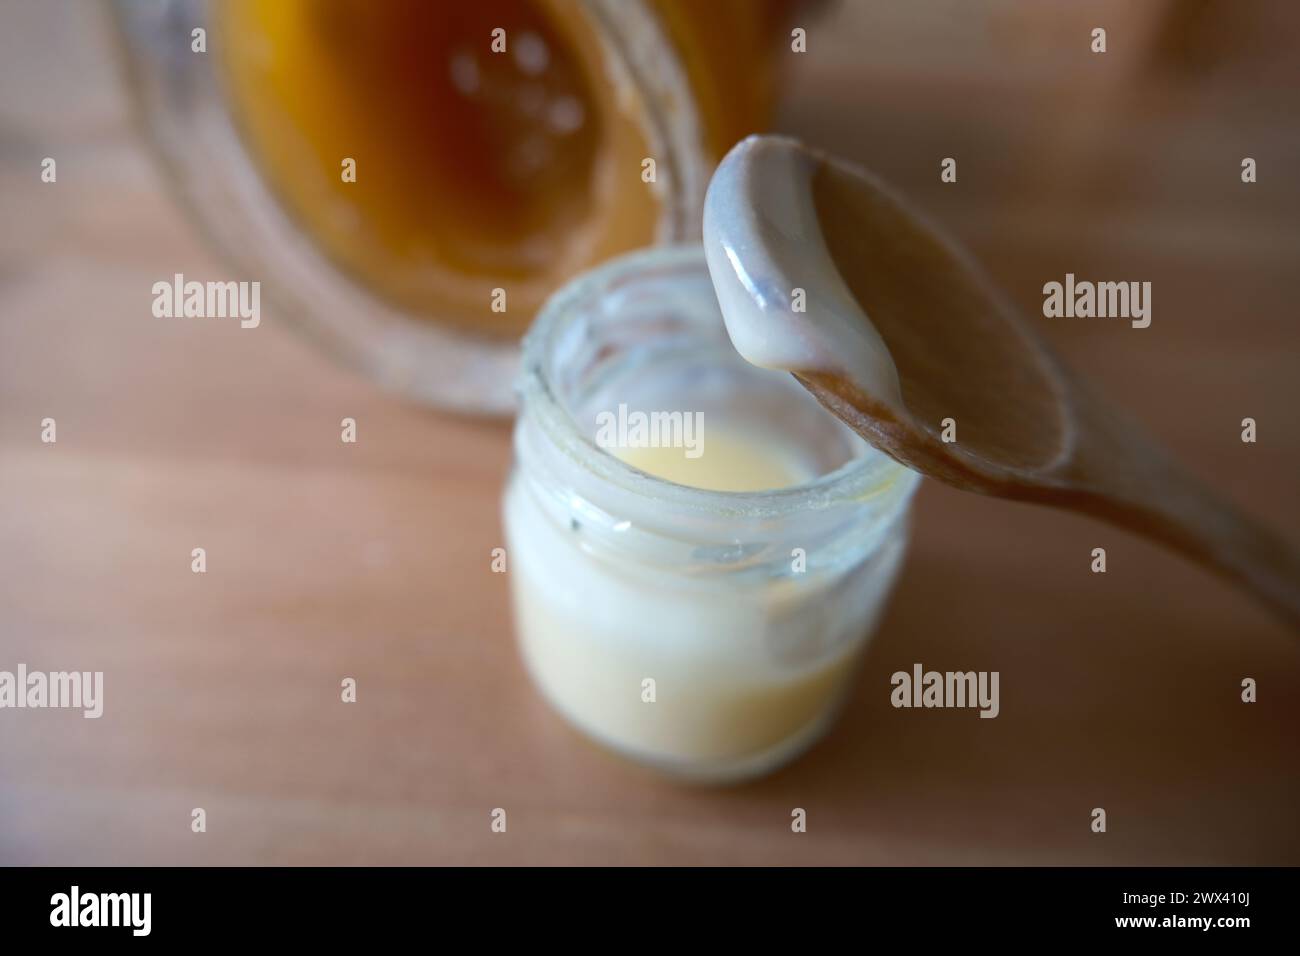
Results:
x,y
977,398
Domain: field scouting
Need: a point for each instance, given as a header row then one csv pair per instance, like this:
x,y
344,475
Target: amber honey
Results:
x,y
477,167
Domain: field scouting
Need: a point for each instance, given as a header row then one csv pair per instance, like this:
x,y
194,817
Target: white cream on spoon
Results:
x,y
763,240
905,336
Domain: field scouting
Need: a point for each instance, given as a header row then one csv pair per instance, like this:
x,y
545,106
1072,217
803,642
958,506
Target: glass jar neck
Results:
x,y
623,509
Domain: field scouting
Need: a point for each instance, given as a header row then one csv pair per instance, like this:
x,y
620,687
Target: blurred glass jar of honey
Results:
x,y
410,179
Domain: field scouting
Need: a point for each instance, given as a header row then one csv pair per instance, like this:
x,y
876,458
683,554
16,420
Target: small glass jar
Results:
x,y
709,634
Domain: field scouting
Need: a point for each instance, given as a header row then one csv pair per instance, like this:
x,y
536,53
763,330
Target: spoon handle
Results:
x,y
1159,498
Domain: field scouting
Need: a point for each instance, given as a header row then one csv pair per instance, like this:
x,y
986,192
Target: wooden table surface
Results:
x,y
371,560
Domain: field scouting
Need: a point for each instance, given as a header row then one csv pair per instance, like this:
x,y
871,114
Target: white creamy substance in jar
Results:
x,y
709,633
745,672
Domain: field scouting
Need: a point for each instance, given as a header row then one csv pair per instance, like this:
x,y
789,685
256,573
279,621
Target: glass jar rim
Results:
x,y
861,478
182,105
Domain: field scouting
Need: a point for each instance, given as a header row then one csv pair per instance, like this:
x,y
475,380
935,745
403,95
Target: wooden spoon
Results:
x,y
878,282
